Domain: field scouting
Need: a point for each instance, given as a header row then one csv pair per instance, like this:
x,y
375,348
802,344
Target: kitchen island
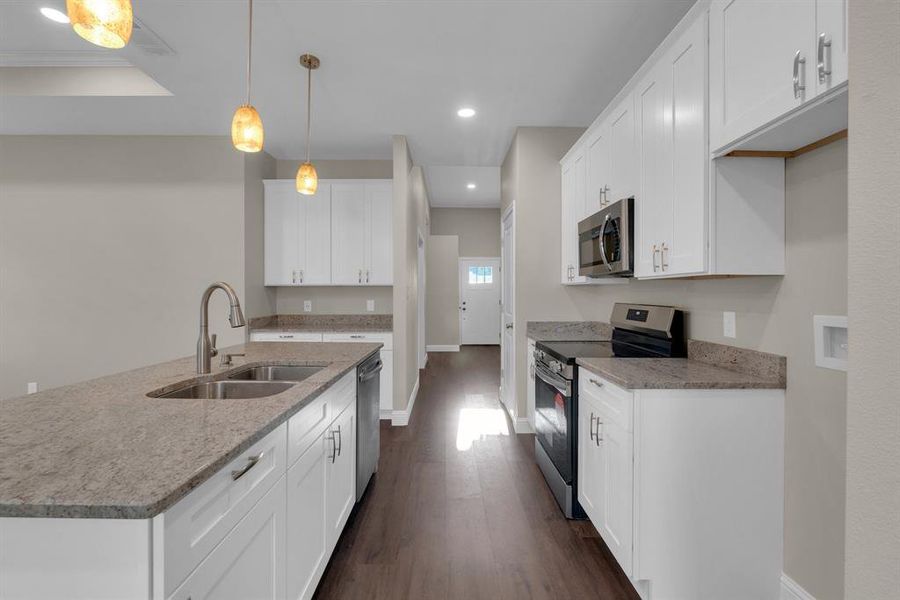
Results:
x,y
159,497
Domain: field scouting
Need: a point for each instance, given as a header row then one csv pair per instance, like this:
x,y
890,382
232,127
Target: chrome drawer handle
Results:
x,y
251,462
340,440
799,74
592,425
597,438
824,46
599,384
357,337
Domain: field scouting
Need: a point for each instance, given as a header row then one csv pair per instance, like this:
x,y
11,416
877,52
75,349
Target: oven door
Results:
x,y
605,241
554,418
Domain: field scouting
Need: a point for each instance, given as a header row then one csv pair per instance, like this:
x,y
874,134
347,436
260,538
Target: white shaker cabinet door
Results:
x,y
597,177
307,542
249,562
616,463
590,468
348,233
315,237
756,74
379,232
340,474
573,203
282,233
622,156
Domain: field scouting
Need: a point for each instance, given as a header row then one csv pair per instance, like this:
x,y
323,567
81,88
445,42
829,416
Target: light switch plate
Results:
x,y
729,324
830,334
32,387
370,305
307,306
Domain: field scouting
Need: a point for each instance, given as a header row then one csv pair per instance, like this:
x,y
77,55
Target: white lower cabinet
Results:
x,y
340,475
529,393
250,561
686,487
307,545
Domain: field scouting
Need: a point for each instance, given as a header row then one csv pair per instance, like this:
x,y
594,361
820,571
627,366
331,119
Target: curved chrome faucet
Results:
x,y
206,349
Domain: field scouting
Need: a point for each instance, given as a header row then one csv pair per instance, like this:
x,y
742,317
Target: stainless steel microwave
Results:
x,y
606,241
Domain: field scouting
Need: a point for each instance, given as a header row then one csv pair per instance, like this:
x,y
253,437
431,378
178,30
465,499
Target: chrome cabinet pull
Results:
x,y
286,336
293,276
301,275
251,462
597,438
599,384
824,62
655,251
333,447
662,252
340,440
593,418
799,74
359,276
367,276
357,336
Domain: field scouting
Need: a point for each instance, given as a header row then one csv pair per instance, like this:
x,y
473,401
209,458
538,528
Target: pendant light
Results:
x,y
246,126
106,23
307,179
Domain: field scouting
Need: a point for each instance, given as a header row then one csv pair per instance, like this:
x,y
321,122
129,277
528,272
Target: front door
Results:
x,y
479,300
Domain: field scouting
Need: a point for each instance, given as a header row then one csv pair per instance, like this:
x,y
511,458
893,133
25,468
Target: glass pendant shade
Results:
x,y
247,129
106,23
307,179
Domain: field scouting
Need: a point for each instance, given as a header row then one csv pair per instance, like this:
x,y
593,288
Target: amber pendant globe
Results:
x,y
106,23
307,179
247,129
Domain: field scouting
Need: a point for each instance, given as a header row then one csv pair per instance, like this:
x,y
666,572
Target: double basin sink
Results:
x,y
253,382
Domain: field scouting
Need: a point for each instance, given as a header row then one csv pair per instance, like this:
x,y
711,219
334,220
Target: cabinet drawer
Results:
x,y
341,395
372,337
285,336
202,519
615,403
307,425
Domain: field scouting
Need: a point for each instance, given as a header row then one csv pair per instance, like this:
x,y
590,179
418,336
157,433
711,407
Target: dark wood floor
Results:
x,y
446,518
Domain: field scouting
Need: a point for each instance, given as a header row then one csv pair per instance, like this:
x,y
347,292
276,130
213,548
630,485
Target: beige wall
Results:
x,y
410,217
478,229
442,286
873,398
339,169
106,245
332,300
774,314
258,299
335,300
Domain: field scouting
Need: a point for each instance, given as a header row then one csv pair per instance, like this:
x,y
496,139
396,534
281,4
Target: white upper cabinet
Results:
x,y
597,183
297,235
348,227
573,206
622,155
339,236
769,58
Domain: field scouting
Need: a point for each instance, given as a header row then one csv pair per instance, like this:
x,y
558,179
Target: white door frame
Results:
x,y
508,379
460,284
420,302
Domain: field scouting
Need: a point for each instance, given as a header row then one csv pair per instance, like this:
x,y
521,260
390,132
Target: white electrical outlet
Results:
x,y
307,306
370,305
32,387
729,324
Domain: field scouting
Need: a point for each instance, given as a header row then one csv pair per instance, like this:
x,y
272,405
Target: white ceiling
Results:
x,y
447,186
400,67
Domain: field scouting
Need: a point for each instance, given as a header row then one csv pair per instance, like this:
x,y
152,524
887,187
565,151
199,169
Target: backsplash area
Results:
x,y
334,300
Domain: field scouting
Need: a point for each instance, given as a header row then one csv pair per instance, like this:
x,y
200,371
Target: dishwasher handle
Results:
x,y
373,369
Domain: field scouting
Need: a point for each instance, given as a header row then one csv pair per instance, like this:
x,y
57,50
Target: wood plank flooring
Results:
x,y
449,516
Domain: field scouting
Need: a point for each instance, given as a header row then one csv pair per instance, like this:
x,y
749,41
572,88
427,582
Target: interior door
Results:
x,y
379,227
508,313
348,233
752,47
479,300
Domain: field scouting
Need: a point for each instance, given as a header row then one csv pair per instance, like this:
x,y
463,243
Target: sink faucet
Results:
x,y
206,349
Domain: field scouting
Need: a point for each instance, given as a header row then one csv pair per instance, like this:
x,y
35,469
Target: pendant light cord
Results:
x,y
249,49
308,107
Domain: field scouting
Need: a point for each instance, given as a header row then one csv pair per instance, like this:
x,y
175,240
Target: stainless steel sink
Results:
x,y
229,390
276,373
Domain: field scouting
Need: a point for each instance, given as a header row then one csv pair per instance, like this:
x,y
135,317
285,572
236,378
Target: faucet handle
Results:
x,y
226,358
213,351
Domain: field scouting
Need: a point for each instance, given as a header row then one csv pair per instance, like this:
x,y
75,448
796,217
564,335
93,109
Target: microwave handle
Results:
x,y
603,244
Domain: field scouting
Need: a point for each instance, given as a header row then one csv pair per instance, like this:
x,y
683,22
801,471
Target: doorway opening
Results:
x,y
420,302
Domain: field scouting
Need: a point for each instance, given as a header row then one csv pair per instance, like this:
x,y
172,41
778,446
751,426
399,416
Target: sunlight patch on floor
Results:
x,y
478,423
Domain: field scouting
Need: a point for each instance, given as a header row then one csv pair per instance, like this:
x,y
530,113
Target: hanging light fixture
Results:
x,y
307,179
106,23
246,126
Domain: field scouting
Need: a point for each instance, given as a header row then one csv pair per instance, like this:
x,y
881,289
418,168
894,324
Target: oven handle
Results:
x,y
603,244
561,384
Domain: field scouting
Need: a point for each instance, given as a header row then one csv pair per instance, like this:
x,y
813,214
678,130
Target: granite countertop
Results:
x,y
104,449
709,366
323,323
568,331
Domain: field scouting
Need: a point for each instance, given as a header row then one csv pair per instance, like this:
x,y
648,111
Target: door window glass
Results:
x,y
479,276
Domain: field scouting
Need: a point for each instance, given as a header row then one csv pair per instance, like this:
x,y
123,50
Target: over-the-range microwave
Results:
x,y
606,241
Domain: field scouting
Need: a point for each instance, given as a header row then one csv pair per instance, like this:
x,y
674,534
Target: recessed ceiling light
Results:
x,y
466,112
55,15
471,186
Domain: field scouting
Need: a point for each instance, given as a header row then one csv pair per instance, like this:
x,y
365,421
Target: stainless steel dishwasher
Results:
x,y
368,439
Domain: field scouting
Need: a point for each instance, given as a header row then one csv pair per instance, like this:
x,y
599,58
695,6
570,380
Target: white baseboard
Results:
x,y
400,418
442,348
522,425
386,414
791,590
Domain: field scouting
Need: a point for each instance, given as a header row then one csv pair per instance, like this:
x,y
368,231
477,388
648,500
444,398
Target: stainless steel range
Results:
x,y
639,331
